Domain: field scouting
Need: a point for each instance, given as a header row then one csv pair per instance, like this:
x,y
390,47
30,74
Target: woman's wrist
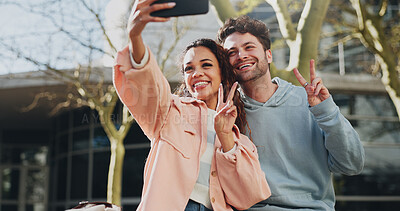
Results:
x,y
226,140
137,48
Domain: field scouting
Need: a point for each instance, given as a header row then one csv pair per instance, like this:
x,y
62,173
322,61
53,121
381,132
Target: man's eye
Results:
x,y
249,47
231,53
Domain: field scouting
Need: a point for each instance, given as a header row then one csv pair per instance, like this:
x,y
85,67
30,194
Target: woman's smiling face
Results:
x,y
202,75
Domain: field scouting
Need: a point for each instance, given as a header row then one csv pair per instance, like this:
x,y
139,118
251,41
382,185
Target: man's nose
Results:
x,y
242,54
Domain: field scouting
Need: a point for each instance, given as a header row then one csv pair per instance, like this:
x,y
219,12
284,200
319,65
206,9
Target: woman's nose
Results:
x,y
197,73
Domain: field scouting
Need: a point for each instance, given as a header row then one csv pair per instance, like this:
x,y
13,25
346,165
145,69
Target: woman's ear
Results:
x,y
268,54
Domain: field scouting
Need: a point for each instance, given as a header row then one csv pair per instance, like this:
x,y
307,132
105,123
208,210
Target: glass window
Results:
x,y
9,207
129,207
80,140
82,116
21,136
10,155
63,144
367,205
34,156
100,138
35,207
133,172
79,177
60,208
373,131
10,183
135,135
375,119
62,178
24,155
374,105
63,121
101,161
35,185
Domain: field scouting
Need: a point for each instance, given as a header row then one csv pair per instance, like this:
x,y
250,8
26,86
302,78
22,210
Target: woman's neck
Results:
x,y
212,103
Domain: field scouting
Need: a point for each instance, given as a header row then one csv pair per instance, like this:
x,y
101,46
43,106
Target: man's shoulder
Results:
x,y
287,88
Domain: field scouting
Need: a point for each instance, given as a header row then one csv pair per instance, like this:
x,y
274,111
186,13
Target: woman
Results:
x,y
195,160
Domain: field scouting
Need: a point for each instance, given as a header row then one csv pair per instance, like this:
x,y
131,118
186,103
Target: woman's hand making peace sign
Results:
x,y
316,91
225,118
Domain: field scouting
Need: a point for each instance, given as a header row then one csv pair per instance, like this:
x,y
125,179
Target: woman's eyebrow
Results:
x,y
205,60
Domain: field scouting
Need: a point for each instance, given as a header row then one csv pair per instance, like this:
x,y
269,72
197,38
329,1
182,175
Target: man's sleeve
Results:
x,y
346,153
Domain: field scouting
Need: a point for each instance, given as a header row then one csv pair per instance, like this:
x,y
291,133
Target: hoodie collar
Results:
x,y
279,96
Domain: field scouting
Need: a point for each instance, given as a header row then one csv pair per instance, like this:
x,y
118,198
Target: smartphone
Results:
x,y
182,8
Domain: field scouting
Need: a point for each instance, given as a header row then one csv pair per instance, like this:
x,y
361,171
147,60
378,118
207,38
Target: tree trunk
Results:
x,y
303,42
309,26
390,80
223,9
373,37
115,171
116,138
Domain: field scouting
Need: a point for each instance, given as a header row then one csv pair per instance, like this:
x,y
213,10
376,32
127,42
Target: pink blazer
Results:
x,y
177,129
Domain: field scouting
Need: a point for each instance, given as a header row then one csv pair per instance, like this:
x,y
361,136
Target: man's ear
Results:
x,y
268,54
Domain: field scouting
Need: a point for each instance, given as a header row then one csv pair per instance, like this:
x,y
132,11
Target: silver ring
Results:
x,y
305,84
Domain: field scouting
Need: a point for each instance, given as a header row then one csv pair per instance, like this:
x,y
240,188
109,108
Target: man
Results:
x,y
301,134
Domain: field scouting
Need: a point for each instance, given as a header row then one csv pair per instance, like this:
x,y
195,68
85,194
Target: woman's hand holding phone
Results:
x,y
139,17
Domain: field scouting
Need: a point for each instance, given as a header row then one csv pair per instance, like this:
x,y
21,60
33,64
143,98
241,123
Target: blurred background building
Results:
x,y
50,163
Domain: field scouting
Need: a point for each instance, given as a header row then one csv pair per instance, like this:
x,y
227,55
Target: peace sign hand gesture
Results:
x,y
316,91
225,118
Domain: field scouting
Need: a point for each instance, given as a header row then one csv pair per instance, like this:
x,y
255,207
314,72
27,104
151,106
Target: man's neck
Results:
x,y
261,89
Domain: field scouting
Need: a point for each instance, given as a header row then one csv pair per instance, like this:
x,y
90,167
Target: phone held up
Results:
x,y
182,8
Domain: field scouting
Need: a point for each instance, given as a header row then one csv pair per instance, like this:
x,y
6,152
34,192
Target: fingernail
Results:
x,y
171,4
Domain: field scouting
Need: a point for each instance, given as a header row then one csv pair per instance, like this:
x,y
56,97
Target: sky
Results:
x,y
14,22
36,36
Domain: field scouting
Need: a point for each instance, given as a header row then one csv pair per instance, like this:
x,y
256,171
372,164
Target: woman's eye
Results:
x,y
207,65
188,68
231,53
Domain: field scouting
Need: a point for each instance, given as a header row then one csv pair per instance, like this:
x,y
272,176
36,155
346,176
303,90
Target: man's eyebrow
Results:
x,y
244,44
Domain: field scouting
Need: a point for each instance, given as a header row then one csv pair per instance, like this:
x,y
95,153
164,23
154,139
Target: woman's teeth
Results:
x,y
200,83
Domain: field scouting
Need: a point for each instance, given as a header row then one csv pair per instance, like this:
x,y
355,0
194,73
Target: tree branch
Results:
x,y
284,20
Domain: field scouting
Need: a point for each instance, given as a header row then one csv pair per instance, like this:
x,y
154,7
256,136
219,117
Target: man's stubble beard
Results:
x,y
260,70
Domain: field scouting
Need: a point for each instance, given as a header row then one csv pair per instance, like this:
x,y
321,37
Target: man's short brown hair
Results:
x,y
245,24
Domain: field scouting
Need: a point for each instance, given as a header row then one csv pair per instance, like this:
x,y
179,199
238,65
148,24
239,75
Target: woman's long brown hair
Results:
x,y
228,77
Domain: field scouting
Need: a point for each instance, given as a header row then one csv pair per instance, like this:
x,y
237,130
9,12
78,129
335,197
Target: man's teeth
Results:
x,y
200,83
243,66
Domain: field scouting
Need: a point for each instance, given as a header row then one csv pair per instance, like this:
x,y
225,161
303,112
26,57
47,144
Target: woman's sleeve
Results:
x,y
145,91
240,175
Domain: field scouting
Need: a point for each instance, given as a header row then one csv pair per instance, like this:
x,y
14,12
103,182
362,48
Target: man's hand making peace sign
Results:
x,y
316,91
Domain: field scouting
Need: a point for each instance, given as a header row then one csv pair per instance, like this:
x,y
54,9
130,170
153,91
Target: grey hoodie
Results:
x,y
299,146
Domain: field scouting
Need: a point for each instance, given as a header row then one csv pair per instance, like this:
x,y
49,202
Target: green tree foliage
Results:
x,y
378,29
